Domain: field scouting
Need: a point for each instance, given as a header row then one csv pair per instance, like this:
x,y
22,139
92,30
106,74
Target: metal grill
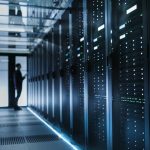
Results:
x,y
12,140
28,139
20,124
41,138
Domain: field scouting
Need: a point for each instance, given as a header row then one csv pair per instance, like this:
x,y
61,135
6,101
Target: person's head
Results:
x,y
18,66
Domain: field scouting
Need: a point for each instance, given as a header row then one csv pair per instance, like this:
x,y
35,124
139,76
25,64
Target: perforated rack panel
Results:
x,y
78,70
97,73
130,55
65,56
49,75
56,74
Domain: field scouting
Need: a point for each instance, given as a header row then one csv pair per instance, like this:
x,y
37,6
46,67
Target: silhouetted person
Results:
x,y
18,80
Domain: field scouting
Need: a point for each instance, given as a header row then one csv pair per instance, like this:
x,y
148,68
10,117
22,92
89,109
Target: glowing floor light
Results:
x,y
50,127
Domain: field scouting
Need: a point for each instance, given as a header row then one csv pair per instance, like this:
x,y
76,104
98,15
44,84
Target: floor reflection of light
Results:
x,y
50,127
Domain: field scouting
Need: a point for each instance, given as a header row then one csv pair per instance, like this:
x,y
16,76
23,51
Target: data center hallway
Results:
x,y
21,130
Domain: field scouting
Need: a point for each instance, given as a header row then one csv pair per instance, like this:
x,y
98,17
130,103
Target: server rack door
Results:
x,y
128,98
66,72
42,77
30,78
56,73
146,22
33,64
45,76
50,75
97,74
39,78
28,83
77,70
60,70
36,79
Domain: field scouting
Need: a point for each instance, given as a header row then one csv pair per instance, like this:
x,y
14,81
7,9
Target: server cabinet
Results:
x,y
44,77
77,70
97,74
128,76
47,75
29,81
146,15
55,74
65,72
38,78
33,79
50,76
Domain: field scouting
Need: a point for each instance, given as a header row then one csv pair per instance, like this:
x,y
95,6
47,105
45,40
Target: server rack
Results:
x,y
128,67
56,75
50,75
45,77
97,74
77,70
146,22
66,74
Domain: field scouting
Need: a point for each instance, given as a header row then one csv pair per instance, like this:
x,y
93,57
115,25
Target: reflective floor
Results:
x,y
21,130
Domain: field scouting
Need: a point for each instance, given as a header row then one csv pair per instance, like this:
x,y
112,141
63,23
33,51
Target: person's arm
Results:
x,y
24,77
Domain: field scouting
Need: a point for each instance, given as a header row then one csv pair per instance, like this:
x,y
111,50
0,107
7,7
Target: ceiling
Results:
x,y
23,23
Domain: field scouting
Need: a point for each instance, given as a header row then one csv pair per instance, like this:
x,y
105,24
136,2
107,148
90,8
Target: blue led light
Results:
x,y
50,127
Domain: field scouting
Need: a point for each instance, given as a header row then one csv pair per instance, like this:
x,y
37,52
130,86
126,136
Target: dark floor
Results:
x,y
21,130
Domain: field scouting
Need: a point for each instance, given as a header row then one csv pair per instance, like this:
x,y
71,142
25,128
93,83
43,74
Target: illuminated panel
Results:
x,y
122,26
122,36
133,8
13,28
101,27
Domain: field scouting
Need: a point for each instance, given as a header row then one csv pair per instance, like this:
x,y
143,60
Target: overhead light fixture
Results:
x,y
14,28
13,49
51,128
15,43
14,39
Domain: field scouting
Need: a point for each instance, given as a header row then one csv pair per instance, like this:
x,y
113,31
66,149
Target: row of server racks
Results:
x,y
90,74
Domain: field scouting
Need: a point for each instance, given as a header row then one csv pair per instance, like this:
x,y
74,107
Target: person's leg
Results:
x,y
17,97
